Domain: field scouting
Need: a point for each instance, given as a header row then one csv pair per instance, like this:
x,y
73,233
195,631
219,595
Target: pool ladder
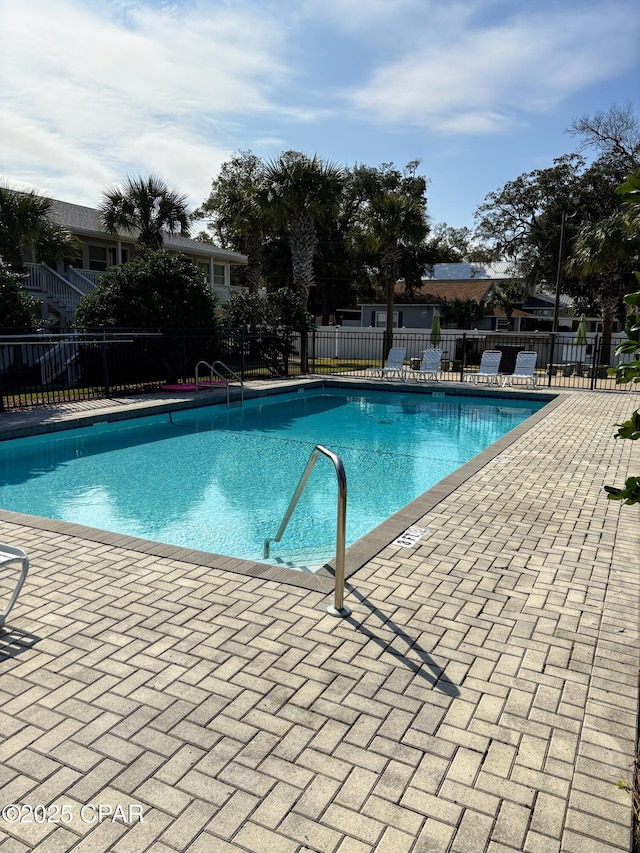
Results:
x,y
339,608
227,377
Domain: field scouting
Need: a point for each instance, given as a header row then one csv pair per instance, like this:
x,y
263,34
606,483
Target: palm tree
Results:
x,y
436,333
25,225
506,295
391,222
148,206
607,251
299,192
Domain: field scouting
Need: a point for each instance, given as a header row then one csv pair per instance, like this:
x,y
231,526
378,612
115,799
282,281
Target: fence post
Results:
x,y
463,360
313,350
106,388
595,361
105,370
551,356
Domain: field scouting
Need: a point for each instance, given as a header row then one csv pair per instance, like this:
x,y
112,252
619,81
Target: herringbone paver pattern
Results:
x,y
482,696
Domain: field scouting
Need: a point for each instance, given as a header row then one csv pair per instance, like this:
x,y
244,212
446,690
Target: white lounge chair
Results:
x,y
393,365
489,367
11,581
525,368
429,367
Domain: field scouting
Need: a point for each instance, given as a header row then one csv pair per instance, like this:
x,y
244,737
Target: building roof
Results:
x,y
434,292
516,312
549,298
86,222
465,271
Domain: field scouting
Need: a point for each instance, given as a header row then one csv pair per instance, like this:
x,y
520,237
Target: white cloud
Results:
x,y
99,89
358,16
270,142
93,90
197,57
180,153
480,79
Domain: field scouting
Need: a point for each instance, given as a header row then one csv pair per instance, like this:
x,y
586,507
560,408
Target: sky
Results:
x,y
479,91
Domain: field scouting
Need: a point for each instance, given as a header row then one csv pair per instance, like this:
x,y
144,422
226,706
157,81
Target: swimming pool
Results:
x,y
220,480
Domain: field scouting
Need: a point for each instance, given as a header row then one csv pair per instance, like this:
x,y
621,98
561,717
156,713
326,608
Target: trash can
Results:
x,y
415,363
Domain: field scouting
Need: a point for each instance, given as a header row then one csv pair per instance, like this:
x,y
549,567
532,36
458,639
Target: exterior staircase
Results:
x,y
59,293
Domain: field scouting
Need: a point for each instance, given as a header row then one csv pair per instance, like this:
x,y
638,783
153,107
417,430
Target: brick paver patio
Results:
x,y
482,696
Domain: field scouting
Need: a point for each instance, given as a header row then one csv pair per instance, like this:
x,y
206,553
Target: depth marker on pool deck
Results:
x,y
410,537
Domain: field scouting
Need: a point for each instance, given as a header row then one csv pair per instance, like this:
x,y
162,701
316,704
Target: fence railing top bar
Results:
x,y
39,337
53,342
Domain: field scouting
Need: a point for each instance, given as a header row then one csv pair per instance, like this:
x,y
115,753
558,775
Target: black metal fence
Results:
x,y
46,369
40,370
561,361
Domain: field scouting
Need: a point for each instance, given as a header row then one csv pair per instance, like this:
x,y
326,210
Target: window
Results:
x,y
113,256
77,263
381,319
97,258
502,324
218,274
203,266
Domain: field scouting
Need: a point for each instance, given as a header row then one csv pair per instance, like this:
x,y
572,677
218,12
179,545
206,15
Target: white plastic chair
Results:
x,y
10,555
429,367
524,369
393,364
489,367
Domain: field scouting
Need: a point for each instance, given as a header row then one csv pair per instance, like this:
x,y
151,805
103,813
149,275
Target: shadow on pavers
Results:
x,y
436,677
14,642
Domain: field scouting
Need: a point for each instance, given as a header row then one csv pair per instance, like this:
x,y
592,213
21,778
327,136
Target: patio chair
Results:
x,y
524,369
489,367
393,364
429,367
10,555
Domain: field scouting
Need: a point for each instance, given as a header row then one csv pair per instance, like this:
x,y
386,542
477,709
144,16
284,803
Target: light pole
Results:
x,y
563,230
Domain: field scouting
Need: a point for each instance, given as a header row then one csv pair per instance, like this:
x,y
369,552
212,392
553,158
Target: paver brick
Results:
x,y
353,823
511,825
435,837
181,832
577,842
137,772
143,833
315,798
228,819
473,834
278,803
464,766
256,839
395,841
307,832
432,806
597,827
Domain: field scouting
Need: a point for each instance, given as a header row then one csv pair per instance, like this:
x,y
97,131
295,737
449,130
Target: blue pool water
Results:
x,y
220,480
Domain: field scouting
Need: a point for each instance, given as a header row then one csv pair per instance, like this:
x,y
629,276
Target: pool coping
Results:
x,y
358,554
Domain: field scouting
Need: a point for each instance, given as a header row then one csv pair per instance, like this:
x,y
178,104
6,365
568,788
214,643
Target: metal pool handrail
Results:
x,y
339,608
225,379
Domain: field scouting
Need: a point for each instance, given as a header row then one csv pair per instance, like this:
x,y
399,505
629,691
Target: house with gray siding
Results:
x,y
448,283
60,289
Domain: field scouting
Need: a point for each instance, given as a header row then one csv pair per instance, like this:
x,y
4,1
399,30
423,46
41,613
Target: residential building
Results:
x,y
61,289
463,282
